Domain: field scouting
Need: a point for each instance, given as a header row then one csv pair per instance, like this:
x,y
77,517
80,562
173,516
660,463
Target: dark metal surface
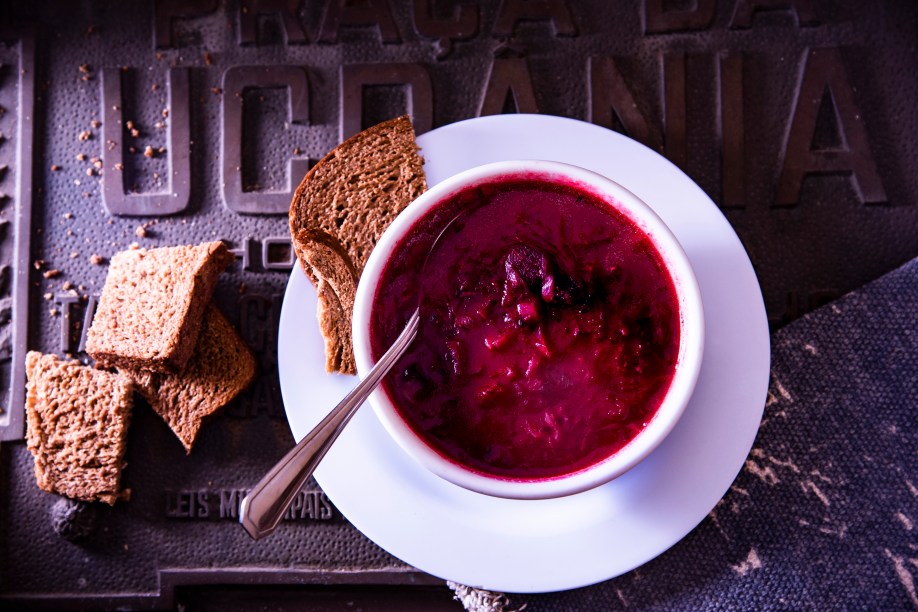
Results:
x,y
797,117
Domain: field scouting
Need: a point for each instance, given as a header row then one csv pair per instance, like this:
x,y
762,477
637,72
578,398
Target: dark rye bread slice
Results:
x,y
152,304
222,367
338,213
78,420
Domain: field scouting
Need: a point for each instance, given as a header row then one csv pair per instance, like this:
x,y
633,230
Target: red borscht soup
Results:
x,y
549,328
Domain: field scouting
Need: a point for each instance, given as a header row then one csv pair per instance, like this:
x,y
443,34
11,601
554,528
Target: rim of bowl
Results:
x,y
688,364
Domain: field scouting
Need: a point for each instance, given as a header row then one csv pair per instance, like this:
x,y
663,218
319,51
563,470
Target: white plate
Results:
x,y
538,546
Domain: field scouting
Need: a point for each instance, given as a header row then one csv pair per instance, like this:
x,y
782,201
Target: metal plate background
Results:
x,y
796,116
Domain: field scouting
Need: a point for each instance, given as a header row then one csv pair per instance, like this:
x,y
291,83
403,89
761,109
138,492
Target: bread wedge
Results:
x,y
221,367
339,212
78,421
152,304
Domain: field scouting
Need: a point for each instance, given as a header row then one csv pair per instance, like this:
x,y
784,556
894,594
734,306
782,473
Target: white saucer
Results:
x,y
538,546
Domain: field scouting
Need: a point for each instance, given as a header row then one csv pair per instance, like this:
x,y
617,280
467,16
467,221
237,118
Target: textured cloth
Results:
x,y
825,513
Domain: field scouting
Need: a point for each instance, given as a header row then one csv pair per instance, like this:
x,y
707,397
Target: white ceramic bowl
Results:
x,y
688,362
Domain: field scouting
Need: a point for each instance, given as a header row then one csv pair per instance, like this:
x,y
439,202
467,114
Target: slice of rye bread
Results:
x,y
221,367
78,420
338,213
152,304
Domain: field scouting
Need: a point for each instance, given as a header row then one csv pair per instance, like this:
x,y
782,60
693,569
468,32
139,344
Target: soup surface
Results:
x,y
549,328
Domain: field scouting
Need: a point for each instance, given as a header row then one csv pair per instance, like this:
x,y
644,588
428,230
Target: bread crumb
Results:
x,y
51,273
67,286
84,135
148,152
97,163
216,90
96,260
140,232
95,123
54,312
208,59
165,113
67,215
38,263
55,168
81,157
48,296
243,288
85,68
119,166
134,246
90,172
135,133
74,254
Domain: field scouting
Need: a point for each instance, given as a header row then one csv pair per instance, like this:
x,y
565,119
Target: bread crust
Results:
x,y
339,212
329,314
336,283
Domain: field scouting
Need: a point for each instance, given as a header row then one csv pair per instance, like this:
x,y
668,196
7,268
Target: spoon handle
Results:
x,y
262,509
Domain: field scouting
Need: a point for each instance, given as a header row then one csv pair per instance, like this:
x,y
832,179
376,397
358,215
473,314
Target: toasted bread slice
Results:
x,y
338,213
152,304
78,420
221,367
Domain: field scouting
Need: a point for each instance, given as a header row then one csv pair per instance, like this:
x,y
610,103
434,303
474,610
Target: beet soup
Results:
x,y
549,328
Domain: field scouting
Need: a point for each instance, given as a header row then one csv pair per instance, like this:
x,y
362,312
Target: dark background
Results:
x,y
797,117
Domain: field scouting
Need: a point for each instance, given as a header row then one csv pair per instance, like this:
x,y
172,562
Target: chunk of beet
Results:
x,y
527,270
499,339
528,310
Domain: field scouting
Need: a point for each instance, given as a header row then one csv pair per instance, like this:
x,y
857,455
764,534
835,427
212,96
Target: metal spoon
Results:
x,y
262,509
